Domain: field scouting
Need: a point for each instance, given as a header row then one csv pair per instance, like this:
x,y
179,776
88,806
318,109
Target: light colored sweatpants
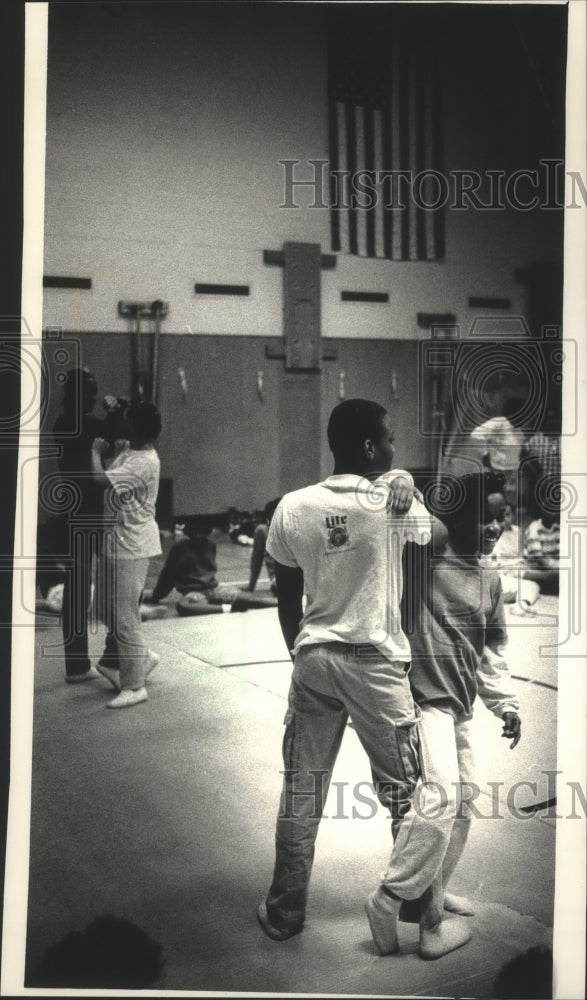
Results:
x,y
125,581
432,836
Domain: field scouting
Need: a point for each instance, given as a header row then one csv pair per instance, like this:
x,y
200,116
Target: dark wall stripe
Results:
x,y
426,320
364,296
203,289
54,281
489,303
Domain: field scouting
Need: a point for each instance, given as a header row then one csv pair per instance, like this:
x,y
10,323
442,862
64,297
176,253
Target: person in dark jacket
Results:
x,y
73,433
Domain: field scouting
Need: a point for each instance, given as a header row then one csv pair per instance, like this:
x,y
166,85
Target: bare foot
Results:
x,y
447,936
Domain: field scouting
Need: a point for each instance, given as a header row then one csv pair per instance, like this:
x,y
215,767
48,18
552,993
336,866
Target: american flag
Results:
x,y
385,115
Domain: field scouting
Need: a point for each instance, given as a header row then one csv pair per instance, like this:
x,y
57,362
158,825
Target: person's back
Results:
x,y
342,536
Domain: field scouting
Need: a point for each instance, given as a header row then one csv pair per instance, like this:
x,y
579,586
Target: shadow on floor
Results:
x,y
111,953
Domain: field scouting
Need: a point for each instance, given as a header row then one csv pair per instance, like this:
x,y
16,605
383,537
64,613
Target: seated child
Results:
x,y
190,568
453,616
259,554
542,551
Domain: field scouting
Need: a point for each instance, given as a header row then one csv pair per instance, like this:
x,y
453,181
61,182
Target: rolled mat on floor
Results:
x,y
187,610
242,602
247,601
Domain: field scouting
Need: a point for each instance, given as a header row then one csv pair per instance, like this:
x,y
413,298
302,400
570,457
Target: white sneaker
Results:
x,y
127,698
110,674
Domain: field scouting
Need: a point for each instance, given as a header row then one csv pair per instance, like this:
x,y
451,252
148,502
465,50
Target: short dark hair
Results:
x,y
453,499
145,419
351,423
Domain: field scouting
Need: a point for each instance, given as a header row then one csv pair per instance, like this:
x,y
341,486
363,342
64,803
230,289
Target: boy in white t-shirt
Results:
x,y
340,542
131,539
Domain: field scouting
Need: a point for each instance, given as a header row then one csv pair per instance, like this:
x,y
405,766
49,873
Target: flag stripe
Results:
x,y
385,116
333,134
351,166
378,212
360,213
370,167
420,142
394,117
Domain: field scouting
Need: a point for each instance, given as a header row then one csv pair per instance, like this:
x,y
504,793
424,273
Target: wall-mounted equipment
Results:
x,y
145,352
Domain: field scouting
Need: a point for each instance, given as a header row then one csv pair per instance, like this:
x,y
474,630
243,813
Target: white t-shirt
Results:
x,y
134,476
501,440
349,547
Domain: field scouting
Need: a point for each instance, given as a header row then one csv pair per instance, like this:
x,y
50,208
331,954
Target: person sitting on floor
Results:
x,y
542,550
190,568
240,526
259,555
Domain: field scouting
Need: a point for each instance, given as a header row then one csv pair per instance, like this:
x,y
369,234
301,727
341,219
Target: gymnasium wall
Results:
x,y
221,444
165,127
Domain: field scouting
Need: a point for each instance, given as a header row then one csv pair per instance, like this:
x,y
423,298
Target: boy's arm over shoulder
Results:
x,y
406,504
401,491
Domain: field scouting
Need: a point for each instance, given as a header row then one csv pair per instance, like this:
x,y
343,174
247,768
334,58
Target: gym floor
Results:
x,y
164,814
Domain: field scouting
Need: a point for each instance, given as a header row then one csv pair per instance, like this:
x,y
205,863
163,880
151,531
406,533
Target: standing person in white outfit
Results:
x,y
500,443
132,482
340,542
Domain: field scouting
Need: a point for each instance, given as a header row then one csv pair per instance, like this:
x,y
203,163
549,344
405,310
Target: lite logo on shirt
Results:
x,y
337,532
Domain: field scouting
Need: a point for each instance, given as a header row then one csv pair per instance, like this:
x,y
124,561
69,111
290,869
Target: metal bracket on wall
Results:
x,y
301,345
277,350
